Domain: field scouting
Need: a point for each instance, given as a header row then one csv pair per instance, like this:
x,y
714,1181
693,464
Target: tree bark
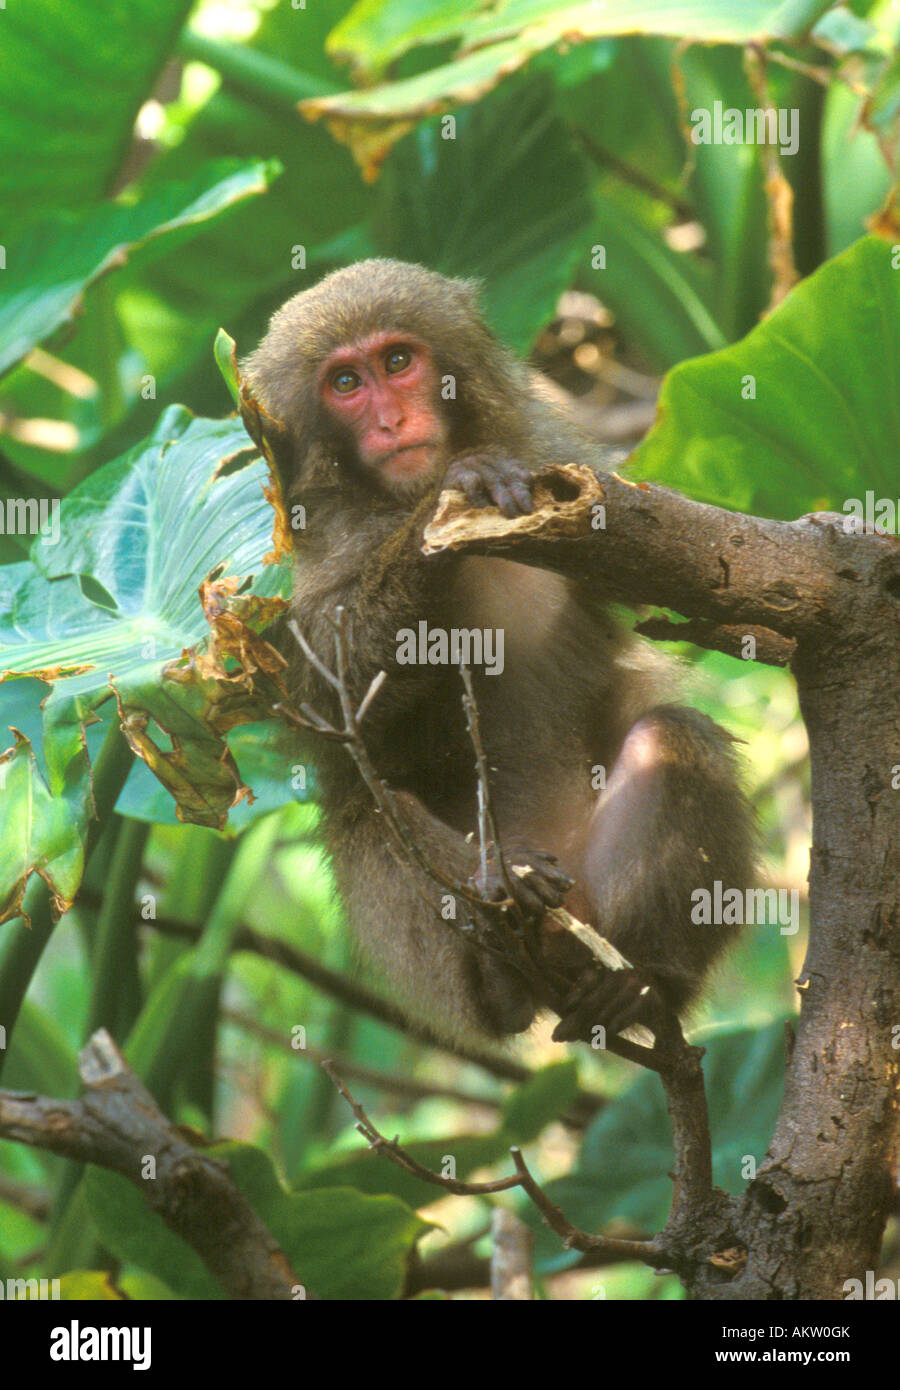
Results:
x,y
814,1215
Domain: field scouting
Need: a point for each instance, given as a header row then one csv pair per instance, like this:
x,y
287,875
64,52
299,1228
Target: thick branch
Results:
x,y
118,1125
815,1214
649,545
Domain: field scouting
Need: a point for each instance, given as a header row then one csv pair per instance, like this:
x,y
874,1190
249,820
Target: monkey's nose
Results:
x,y
391,424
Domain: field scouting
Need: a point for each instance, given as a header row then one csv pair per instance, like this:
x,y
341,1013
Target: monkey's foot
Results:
x,y
535,879
487,479
609,999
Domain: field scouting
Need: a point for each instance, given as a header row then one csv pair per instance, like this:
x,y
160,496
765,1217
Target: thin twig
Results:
x,y
488,839
350,735
650,1251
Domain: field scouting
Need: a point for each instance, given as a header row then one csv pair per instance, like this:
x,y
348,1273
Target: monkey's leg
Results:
x,y
671,820
413,932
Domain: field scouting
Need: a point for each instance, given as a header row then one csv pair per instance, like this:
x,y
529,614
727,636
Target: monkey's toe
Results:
x,y
535,880
608,999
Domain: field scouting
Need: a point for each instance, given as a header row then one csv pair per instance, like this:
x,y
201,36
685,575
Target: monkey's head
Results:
x,y
385,369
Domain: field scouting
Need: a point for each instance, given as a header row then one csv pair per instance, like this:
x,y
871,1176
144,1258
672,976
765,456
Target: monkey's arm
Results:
x,y
413,930
371,566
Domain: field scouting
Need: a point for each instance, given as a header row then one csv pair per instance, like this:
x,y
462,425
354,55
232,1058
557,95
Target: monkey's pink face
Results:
x,y
384,389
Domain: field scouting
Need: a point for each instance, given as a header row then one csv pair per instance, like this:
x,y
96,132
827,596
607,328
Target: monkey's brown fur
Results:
x,y
574,692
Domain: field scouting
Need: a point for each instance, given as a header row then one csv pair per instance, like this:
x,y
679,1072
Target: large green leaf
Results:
x,y
524,229
113,603
247,265
49,270
138,1236
498,40
341,1243
753,21
40,1058
824,425
72,79
375,32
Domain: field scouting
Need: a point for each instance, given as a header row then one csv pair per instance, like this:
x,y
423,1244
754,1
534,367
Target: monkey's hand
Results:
x,y
610,999
535,879
488,479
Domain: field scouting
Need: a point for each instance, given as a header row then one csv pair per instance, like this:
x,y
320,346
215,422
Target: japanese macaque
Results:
x,y
389,387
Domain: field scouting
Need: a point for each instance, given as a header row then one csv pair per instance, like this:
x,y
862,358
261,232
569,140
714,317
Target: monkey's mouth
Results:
x,y
408,459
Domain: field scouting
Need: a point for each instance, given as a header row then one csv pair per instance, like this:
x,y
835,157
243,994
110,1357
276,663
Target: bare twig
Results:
x,y
651,1252
488,839
350,735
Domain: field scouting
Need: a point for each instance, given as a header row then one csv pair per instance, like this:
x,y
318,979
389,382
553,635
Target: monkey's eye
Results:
x,y
397,360
345,381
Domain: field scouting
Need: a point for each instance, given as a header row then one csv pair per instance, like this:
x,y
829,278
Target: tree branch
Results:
x,y
118,1125
649,545
651,1252
816,1211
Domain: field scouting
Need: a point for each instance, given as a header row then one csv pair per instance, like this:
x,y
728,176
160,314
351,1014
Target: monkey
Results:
x,y
388,387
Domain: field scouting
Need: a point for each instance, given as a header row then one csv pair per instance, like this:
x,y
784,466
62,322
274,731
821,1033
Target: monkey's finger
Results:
x,y
512,470
537,883
528,899
580,994
558,877
507,483
550,893
512,496
477,495
471,484
504,499
532,904
521,492
544,863
588,1006
579,1025
578,991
